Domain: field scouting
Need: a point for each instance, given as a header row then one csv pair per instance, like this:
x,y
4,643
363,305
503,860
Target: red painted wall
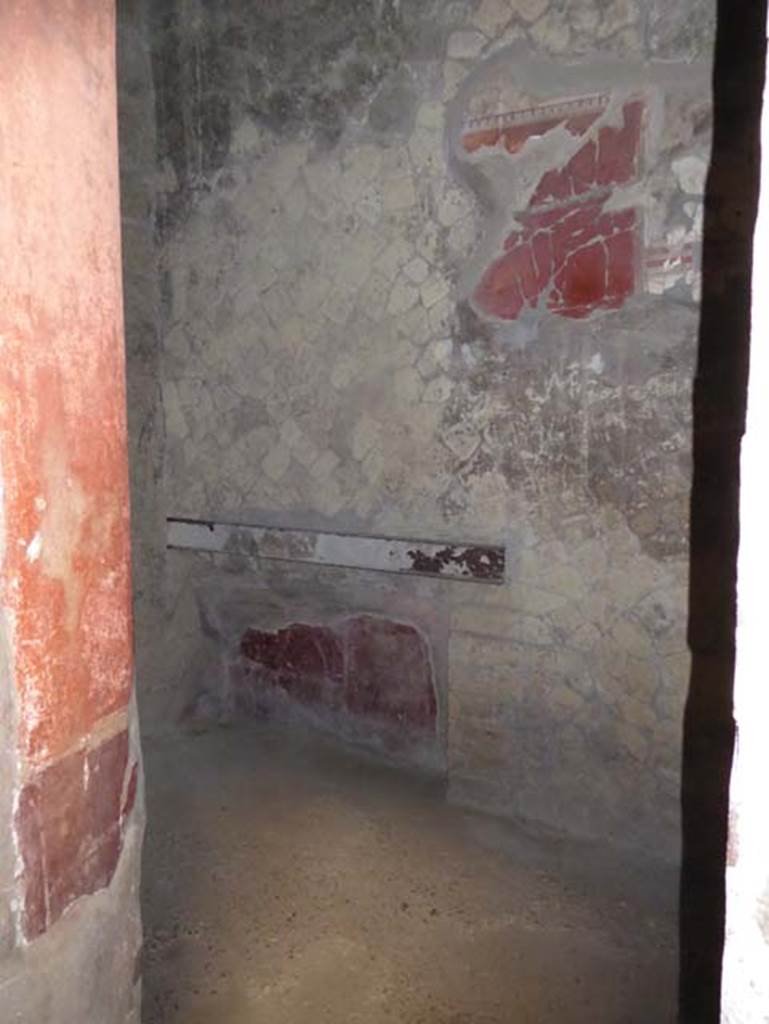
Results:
x,y
64,574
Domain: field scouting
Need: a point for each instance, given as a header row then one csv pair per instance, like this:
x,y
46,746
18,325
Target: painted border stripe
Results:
x,y
566,108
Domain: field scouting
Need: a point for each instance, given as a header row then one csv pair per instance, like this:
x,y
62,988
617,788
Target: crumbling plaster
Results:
x,y
319,234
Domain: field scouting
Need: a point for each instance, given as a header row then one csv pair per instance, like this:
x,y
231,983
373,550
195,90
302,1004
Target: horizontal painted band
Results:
x,y
566,108
470,562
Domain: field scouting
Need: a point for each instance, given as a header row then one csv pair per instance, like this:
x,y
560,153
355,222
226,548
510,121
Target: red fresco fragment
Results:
x,y
613,160
34,916
571,256
486,137
388,673
68,825
621,253
580,284
588,256
364,666
304,661
514,137
582,123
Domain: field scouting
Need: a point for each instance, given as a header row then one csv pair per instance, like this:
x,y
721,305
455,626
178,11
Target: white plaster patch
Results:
x,y
399,194
462,440
365,436
452,206
585,17
417,271
247,139
438,390
492,15
408,385
402,298
430,117
433,291
276,463
454,73
530,10
465,45
34,547
618,15
552,33
325,464
690,172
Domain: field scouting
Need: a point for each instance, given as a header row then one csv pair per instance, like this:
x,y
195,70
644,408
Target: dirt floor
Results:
x,y
289,882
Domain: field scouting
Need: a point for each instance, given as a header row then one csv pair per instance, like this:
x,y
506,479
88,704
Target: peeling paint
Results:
x,y
478,562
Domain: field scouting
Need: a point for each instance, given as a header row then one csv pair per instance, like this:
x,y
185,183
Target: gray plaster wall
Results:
x,y
305,233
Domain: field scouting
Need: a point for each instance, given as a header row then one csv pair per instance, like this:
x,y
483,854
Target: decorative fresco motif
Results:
x,y
580,243
571,255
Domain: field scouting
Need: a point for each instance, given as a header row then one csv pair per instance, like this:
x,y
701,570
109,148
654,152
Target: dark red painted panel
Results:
x,y
106,768
305,661
575,259
34,917
388,673
365,667
68,825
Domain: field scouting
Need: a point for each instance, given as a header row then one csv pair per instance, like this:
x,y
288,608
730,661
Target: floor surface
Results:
x,y
289,882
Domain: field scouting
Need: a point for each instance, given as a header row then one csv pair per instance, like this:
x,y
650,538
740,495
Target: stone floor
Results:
x,y
288,882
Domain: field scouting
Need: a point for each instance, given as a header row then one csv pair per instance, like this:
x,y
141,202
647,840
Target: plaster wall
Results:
x,y
361,332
